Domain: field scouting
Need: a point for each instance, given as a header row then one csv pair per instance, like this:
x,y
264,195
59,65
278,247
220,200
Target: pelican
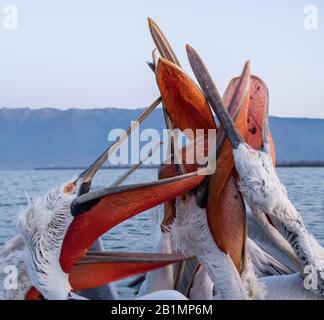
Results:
x,y
210,239
193,234
206,219
198,116
264,193
187,108
57,229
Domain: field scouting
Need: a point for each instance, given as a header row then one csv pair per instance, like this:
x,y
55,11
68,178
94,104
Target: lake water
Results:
x,y
305,187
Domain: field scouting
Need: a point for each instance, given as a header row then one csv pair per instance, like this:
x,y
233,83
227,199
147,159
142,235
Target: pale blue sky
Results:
x,y
85,54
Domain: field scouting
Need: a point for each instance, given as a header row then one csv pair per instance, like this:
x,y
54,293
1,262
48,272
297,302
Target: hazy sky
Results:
x,y
86,54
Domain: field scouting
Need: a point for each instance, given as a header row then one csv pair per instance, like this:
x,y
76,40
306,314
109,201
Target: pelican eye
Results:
x,y
69,188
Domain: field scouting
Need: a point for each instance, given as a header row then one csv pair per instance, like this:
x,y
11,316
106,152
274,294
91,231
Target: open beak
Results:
x,y
98,211
185,104
225,206
182,98
84,180
162,43
165,50
226,211
99,268
188,108
211,93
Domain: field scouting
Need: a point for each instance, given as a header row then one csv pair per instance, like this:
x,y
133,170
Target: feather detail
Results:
x,y
191,235
43,226
264,193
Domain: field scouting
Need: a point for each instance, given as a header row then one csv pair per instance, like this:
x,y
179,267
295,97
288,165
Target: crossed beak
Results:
x,y
98,211
229,230
187,107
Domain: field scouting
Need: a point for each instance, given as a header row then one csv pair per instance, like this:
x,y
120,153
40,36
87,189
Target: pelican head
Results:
x,y
59,227
43,225
259,182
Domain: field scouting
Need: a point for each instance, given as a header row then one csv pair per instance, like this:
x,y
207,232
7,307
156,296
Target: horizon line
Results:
x,y
129,109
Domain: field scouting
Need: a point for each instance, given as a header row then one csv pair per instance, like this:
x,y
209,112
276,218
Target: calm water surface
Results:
x,y
305,187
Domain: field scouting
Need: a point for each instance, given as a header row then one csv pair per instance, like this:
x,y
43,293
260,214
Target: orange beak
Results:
x,y
225,207
161,42
99,211
188,108
231,203
99,268
231,239
185,105
182,98
258,103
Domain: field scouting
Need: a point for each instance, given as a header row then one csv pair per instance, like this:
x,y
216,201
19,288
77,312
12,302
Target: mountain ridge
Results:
x,y
50,137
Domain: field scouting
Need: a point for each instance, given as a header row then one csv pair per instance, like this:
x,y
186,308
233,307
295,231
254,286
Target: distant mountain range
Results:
x,y
73,138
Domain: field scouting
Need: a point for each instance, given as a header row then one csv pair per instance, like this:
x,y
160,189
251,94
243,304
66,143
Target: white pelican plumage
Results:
x,y
170,277
57,229
192,205
261,187
207,219
186,108
51,242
